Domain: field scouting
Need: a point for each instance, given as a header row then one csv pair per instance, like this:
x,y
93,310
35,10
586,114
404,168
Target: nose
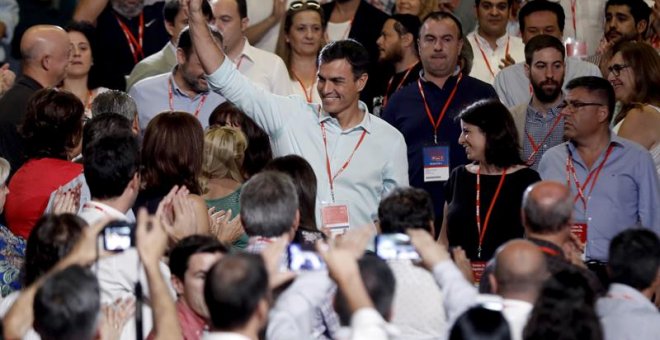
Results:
x,y
461,138
324,87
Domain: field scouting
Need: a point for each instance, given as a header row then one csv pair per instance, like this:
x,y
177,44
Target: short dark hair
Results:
x,y
405,24
115,101
600,86
540,42
440,15
268,204
509,2
185,42
304,179
258,152
531,7
189,246
68,305
634,258
233,289
405,208
50,240
53,123
242,8
380,284
107,124
110,163
639,10
495,121
480,323
350,50
88,30
542,219
172,7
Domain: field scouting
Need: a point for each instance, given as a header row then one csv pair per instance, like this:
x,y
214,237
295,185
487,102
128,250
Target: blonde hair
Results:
x,y
224,149
4,170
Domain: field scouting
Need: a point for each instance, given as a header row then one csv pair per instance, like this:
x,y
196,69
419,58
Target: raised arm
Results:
x,y
208,51
89,10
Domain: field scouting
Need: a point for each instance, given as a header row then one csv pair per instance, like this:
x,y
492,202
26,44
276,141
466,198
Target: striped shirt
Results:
x,y
537,127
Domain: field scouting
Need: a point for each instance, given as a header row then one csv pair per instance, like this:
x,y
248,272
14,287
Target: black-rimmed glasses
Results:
x,y
617,68
575,105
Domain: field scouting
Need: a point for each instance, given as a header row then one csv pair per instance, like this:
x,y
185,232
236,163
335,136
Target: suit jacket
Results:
x,y
158,63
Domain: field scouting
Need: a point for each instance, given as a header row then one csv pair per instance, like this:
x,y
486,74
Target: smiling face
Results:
x,y
474,142
624,83
192,287
306,33
81,56
337,86
439,47
493,16
412,7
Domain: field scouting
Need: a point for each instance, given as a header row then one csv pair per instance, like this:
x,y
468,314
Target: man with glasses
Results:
x,y
613,181
539,122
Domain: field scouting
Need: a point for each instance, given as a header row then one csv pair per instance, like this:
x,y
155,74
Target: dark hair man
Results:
x,y
296,127
183,89
538,17
440,93
175,19
626,312
599,210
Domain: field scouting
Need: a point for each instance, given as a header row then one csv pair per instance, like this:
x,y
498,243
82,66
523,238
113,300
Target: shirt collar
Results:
x,y
248,51
553,112
500,42
188,316
614,140
625,292
104,209
365,124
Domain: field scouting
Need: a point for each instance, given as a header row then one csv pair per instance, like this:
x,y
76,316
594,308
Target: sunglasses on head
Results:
x,y
296,5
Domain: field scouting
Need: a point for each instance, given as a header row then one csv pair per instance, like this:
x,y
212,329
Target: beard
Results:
x,y
392,56
547,96
127,9
194,82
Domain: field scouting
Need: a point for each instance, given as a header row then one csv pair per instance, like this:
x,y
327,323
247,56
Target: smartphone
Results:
x,y
395,247
304,259
118,236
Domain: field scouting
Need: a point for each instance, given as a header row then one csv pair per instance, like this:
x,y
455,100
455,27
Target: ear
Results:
x,y
493,283
296,221
134,184
45,62
641,26
527,71
169,27
180,56
262,312
362,81
177,285
245,22
603,114
407,40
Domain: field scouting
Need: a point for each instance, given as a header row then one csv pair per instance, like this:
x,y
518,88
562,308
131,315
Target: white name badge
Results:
x,y
334,218
436,163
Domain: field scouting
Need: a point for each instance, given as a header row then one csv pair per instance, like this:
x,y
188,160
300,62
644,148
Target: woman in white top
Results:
x,y
299,45
79,79
634,72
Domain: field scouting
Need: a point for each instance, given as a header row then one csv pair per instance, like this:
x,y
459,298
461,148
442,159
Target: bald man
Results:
x,y
45,50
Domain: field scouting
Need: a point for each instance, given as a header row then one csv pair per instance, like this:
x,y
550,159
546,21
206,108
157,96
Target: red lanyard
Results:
x,y
570,169
389,84
88,104
482,232
573,12
171,99
332,178
308,96
483,54
549,251
436,124
537,147
134,44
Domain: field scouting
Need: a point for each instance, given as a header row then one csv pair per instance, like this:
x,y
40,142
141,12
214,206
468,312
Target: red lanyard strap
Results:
x,y
171,99
537,147
482,232
134,44
574,13
483,54
309,95
570,169
389,84
332,178
436,124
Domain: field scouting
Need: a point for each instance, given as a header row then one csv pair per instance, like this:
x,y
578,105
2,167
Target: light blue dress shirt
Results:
x,y
151,96
294,126
627,193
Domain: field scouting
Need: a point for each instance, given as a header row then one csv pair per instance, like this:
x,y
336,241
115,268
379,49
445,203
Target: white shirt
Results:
x,y
516,313
338,30
224,336
93,211
487,61
258,10
264,69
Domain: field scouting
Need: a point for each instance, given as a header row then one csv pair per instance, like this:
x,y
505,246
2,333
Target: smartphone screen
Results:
x,y
304,259
118,236
395,247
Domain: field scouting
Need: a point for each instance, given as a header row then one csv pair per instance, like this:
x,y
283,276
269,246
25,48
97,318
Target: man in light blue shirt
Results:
x,y
357,157
183,89
613,181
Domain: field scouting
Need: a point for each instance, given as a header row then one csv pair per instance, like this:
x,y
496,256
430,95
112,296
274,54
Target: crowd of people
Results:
x,y
337,169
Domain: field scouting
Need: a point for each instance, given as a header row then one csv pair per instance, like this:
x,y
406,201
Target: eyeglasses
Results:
x,y
297,5
617,68
575,105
